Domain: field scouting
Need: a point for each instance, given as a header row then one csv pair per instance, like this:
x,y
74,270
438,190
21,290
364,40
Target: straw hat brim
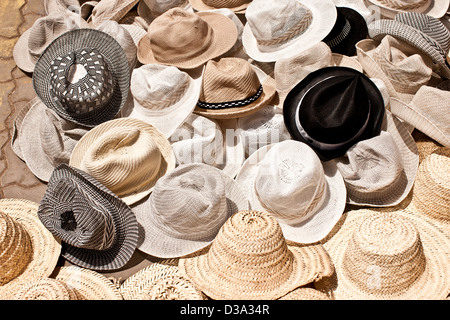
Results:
x,y
155,242
88,284
167,156
324,15
46,248
117,62
199,5
305,293
309,263
327,215
224,37
436,9
432,284
268,93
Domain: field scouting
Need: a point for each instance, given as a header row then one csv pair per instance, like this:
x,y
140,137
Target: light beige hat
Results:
x,y
42,289
428,112
283,28
434,8
287,180
46,140
250,259
150,9
61,6
290,71
160,281
32,43
136,31
233,88
164,96
400,66
209,141
380,171
186,210
186,40
387,256
110,10
305,293
126,155
238,6
28,251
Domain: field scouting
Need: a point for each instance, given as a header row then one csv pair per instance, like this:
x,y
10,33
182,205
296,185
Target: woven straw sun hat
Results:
x,y
209,141
33,42
170,38
110,10
126,155
28,250
186,210
151,9
237,6
250,259
390,8
164,96
84,76
160,281
41,289
305,293
287,180
387,256
97,229
281,29
232,88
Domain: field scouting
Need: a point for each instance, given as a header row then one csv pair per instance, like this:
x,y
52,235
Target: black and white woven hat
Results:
x,y
84,76
97,229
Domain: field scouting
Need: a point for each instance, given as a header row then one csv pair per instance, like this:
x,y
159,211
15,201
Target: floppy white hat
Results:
x,y
164,96
288,180
283,28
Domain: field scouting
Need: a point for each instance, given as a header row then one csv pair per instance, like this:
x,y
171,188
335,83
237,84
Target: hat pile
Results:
x,y
241,149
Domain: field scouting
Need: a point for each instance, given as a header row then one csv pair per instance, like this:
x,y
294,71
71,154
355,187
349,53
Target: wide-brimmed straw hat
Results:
x,y
387,256
333,108
281,29
287,180
186,40
390,8
233,87
41,289
97,229
29,251
238,6
160,281
186,210
33,42
149,10
250,259
204,140
164,96
305,293
110,10
126,155
84,76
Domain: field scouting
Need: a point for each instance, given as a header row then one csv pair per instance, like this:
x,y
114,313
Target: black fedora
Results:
x,y
333,108
349,28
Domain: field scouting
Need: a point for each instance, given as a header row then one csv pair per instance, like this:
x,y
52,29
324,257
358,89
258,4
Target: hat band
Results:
x,y
231,104
341,36
401,4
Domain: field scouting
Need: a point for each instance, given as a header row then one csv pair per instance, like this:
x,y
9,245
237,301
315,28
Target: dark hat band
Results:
x,y
231,104
341,36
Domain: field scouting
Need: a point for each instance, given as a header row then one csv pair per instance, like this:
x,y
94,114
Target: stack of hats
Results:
x,y
249,149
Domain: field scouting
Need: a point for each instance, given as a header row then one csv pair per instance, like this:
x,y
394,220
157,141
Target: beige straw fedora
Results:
x,y
232,88
126,155
287,180
110,10
28,250
427,112
186,210
204,140
160,281
283,28
250,259
33,42
387,256
238,6
151,9
434,8
41,289
186,40
164,96
305,293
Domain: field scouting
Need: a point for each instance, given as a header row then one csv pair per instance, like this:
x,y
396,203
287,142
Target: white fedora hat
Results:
x,y
433,8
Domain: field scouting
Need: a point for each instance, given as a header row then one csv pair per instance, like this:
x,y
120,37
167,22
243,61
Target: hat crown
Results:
x,y
16,249
81,82
174,287
123,159
179,35
403,4
390,244
225,3
190,201
228,79
45,289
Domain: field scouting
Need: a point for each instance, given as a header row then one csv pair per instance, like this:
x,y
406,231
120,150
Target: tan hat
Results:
x,y
250,259
389,8
41,289
110,10
32,43
237,6
151,9
185,39
28,250
232,88
305,293
387,256
126,155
